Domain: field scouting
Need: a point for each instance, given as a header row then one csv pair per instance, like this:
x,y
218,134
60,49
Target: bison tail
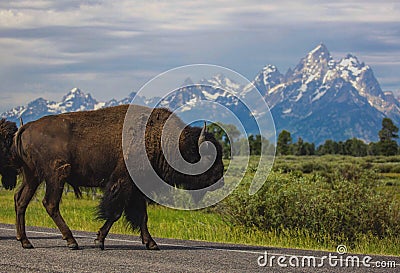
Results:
x,y
112,203
18,141
135,210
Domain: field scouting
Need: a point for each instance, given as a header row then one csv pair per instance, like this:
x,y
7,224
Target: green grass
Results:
x,y
207,224
163,222
189,225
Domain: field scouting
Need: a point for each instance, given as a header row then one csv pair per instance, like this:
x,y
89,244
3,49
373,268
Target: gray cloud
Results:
x,y
110,48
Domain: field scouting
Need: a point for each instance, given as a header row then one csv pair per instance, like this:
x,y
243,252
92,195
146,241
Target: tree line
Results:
x,y
387,144
253,144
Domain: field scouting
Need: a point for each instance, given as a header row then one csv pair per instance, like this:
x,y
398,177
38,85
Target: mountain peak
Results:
x,y
75,90
221,81
267,79
269,68
321,49
319,54
74,93
188,82
312,67
351,62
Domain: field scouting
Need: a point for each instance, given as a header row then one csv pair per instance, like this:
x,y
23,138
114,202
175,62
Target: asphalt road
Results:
x,y
125,253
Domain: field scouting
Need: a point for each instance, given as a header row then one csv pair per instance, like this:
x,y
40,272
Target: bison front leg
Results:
x,y
51,201
21,200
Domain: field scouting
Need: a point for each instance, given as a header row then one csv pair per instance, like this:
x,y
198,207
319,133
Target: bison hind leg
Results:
x,y
77,191
136,214
110,209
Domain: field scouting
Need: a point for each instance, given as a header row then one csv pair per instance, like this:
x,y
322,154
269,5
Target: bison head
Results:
x,y
203,146
171,156
7,170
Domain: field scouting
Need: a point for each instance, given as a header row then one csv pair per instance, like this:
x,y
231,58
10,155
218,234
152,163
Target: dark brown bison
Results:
x,y
84,149
8,170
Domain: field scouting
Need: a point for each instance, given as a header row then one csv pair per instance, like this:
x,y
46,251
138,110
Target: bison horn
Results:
x,y
202,136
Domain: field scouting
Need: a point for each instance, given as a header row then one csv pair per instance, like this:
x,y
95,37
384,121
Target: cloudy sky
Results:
x,y
110,48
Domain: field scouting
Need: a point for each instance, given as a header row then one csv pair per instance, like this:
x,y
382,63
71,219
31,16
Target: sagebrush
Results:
x,y
343,205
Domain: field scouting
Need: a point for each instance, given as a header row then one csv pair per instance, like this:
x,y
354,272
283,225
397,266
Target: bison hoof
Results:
x,y
99,244
152,246
27,245
73,246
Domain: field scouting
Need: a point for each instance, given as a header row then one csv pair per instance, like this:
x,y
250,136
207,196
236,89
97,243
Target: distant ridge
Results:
x,y
320,98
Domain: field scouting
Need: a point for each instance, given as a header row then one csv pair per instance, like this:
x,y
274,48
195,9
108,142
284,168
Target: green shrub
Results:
x,y
340,205
308,167
284,167
395,168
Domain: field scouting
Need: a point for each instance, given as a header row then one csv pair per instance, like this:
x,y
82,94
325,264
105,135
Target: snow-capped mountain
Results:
x,y
74,100
218,89
188,101
268,77
320,98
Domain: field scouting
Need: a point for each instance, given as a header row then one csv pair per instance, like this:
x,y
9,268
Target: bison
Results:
x,y
8,169
84,149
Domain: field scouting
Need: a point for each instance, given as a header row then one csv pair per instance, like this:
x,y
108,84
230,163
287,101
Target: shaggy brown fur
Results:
x,y
7,170
84,149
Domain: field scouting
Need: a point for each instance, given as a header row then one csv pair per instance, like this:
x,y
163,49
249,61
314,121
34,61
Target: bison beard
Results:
x,y
84,149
